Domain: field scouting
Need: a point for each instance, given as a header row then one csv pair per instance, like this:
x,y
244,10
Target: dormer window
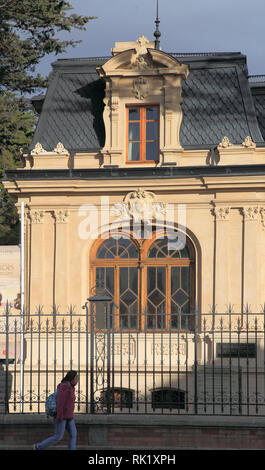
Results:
x,y
142,105
142,132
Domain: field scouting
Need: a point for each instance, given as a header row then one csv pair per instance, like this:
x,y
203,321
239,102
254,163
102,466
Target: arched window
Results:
x,y
150,281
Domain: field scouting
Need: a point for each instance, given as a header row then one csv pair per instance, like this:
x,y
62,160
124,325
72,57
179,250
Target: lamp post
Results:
x,y
100,327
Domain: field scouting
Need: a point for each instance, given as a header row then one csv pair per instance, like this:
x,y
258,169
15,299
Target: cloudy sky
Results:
x,y
186,26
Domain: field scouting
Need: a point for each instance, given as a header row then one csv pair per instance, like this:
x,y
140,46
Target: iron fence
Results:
x,y
203,364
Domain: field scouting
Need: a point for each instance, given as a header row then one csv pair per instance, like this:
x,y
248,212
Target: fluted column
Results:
x,y
250,274
61,271
221,284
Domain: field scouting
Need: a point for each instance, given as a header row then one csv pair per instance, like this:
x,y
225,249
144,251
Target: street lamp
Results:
x,y
100,307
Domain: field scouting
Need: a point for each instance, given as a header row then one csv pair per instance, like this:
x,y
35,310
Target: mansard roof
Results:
x,y
218,100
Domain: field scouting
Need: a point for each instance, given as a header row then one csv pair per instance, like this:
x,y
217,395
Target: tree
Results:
x,y
16,130
28,30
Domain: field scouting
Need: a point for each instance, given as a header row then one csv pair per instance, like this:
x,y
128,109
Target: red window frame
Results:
x,y
142,138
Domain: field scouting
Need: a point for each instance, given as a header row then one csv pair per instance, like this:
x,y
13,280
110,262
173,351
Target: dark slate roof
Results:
x,y
217,102
257,85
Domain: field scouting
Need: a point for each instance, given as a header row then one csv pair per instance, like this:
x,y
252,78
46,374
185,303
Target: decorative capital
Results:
x,y
248,143
36,216
61,216
250,213
262,213
221,213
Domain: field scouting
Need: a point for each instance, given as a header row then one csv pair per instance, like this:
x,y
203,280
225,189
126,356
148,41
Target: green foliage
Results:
x,y
16,130
28,32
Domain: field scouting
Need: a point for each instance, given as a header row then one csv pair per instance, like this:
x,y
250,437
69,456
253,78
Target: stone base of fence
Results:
x,y
138,432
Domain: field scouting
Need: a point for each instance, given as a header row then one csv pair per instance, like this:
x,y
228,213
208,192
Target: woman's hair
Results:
x,y
69,376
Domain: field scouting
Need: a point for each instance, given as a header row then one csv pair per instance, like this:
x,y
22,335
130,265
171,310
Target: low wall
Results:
x,y
139,432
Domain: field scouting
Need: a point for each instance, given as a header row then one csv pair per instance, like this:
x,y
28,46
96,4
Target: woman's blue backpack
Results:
x,y
50,406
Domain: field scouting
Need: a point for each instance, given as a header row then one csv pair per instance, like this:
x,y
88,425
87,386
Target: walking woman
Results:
x,y
64,419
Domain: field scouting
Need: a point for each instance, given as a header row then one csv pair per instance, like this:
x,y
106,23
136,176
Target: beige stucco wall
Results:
x,y
229,245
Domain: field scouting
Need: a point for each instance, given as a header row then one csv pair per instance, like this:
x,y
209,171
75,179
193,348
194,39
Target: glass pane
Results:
x,y
151,278
151,131
175,279
134,280
151,113
133,151
161,279
134,130
105,278
128,297
134,114
110,280
185,279
123,279
151,151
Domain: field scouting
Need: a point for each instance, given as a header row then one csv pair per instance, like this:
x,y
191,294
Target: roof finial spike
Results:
x,y
157,33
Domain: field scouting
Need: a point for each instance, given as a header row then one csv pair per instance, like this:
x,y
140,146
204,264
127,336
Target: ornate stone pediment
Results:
x,y
142,57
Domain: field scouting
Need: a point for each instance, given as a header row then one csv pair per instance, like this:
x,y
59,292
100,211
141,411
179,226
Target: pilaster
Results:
x,y
61,255
250,266
221,281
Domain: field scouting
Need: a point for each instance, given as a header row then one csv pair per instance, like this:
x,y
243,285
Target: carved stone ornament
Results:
x,y
262,213
38,150
225,143
248,143
61,216
222,213
250,213
114,103
60,149
140,88
36,216
143,205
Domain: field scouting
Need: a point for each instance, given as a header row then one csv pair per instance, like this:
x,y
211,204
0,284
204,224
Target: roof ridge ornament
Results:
x,y
157,33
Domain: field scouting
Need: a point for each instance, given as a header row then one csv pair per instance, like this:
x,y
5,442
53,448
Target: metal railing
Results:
x,y
194,364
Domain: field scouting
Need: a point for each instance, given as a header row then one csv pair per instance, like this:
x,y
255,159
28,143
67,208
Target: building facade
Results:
x,y
146,176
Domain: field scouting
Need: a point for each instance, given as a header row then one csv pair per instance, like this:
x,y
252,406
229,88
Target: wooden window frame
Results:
x,y
142,140
142,263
